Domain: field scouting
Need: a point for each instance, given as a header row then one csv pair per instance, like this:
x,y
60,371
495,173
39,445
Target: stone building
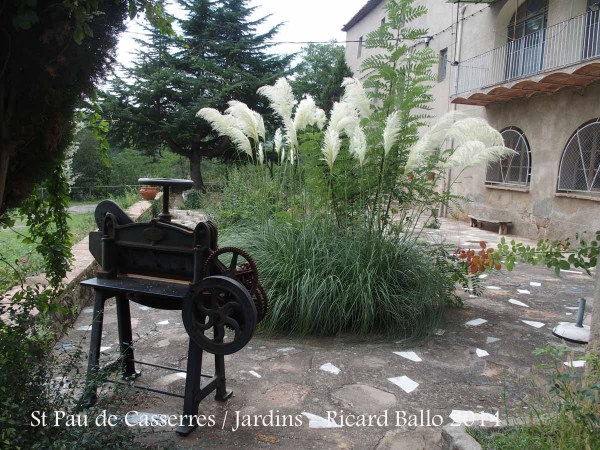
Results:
x,y
531,69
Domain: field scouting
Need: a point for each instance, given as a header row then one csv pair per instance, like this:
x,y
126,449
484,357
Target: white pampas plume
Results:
x,y
290,133
306,113
473,129
278,141
477,153
331,146
226,125
344,117
356,95
358,145
433,139
260,124
248,120
391,131
282,158
261,154
292,155
320,118
281,98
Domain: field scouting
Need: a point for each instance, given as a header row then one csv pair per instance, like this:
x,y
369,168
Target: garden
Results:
x,y
375,301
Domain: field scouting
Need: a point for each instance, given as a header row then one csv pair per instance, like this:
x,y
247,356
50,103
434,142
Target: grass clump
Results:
x,y
322,281
566,417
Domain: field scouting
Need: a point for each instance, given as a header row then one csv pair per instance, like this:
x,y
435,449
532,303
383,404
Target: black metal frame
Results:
x,y
176,253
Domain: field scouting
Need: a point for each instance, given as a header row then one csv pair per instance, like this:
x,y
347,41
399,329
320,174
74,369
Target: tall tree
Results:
x,y
220,57
51,54
320,73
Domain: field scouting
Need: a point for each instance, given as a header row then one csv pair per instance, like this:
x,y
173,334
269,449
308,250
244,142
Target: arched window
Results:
x,y
580,161
514,170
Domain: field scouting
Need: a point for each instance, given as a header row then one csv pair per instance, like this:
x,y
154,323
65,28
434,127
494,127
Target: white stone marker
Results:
x,y
409,355
404,383
533,323
481,353
315,421
475,322
328,367
518,303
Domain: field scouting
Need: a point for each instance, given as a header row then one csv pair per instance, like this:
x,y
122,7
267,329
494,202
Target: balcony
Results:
x,y
530,65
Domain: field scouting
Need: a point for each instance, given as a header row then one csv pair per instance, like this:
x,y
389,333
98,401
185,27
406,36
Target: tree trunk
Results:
x,y
196,169
6,152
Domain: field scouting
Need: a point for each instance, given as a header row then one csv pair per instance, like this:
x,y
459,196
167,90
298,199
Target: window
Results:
x,y
514,170
526,37
580,161
591,43
443,65
360,46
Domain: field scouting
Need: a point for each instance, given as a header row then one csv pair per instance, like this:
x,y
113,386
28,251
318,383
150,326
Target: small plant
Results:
x,y
34,380
568,415
194,199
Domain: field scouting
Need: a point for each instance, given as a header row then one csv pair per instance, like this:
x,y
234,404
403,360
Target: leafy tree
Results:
x,y
88,165
321,72
51,54
220,57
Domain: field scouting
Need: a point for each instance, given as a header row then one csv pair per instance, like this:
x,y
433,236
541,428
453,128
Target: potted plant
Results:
x,y
148,192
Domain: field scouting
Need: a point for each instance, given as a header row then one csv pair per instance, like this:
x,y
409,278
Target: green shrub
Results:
x,y
35,378
251,197
567,417
194,199
322,280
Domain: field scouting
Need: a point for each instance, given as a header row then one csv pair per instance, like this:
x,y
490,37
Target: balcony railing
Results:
x,y
566,43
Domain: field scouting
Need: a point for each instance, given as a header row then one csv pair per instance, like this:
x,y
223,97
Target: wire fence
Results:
x,y
94,193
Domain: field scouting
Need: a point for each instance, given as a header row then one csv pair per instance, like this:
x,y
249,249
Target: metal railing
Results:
x,y
569,42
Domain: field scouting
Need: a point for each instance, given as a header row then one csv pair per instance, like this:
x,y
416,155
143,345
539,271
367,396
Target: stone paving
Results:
x,y
472,364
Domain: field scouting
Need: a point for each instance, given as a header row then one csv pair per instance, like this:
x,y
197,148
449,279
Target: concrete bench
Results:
x,y
502,224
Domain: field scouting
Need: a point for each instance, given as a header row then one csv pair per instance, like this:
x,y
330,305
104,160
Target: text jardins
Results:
x,y
237,420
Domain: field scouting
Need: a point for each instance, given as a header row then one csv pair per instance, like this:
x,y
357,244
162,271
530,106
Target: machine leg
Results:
x,y
126,338
222,394
191,401
91,394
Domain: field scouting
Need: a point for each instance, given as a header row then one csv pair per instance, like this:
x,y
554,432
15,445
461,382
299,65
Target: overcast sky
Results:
x,y
304,20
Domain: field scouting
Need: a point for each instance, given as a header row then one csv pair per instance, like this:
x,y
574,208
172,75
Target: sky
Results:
x,y
303,20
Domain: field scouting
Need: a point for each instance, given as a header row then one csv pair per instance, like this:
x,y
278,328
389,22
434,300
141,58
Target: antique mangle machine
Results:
x,y
165,265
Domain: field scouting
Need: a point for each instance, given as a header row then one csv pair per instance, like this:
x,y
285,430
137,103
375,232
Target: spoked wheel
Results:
x,y
215,304
234,263
261,303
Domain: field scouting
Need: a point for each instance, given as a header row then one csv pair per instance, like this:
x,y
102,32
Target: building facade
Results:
x,y
531,68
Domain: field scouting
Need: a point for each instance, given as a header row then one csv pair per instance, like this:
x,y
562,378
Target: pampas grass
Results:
x,y
322,280
475,143
227,125
331,147
249,121
358,145
391,131
344,118
355,95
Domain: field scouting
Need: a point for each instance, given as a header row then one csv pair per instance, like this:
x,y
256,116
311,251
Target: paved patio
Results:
x,y
471,365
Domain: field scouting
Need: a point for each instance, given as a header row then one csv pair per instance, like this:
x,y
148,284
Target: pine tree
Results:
x,y
220,57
